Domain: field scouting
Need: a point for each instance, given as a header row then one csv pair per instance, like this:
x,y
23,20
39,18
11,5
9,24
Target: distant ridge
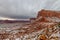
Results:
x,y
13,21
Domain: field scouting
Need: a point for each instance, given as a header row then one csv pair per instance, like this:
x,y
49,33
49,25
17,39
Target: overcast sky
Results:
x,y
26,8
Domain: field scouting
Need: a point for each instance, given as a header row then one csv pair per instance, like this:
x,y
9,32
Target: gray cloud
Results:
x,y
25,8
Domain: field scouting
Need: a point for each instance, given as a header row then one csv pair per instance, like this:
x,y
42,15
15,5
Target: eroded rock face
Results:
x,y
48,13
51,16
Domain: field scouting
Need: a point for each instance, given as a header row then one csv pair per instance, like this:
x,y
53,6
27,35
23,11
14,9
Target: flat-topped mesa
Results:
x,y
49,13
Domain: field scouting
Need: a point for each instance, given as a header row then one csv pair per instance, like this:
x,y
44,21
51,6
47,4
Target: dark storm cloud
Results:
x,y
25,8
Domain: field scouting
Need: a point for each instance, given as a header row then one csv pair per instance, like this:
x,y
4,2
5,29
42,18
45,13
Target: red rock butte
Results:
x,y
49,13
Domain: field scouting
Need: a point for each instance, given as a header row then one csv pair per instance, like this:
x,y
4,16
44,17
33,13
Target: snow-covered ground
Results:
x,y
20,31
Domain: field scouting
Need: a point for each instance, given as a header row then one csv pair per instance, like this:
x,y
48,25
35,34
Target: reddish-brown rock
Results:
x,y
48,13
